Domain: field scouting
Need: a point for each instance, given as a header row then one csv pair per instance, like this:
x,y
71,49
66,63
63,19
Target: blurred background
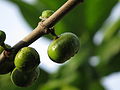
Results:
x,y
95,22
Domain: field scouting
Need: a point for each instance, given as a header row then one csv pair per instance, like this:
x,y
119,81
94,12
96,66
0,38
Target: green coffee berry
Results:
x,y
2,37
64,47
27,59
6,64
46,14
24,79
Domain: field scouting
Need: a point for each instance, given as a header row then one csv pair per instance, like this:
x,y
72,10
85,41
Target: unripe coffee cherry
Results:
x,y
7,63
46,14
27,59
2,37
23,78
64,47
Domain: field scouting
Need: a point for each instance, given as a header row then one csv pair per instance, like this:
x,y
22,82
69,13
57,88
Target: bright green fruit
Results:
x,y
46,14
27,59
2,37
24,79
6,64
64,47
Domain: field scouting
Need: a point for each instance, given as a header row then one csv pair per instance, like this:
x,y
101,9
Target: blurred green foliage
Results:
x,y
85,21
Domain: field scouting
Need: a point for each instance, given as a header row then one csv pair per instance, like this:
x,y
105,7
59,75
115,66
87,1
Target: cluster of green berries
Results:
x,y
23,65
26,69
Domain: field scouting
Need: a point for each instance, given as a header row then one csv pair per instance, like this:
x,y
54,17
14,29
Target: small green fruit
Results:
x,y
27,59
64,47
24,79
2,37
6,64
46,14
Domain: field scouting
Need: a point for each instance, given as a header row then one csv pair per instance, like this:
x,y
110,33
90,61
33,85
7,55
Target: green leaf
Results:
x,y
5,82
30,13
108,49
52,4
110,29
108,54
112,66
96,85
96,12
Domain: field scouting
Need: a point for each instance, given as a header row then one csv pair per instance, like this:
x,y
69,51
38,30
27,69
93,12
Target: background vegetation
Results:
x,y
94,61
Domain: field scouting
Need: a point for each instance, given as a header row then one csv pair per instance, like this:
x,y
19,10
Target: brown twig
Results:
x,y
43,27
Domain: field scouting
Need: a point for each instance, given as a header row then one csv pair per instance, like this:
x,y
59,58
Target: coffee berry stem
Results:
x,y
52,31
44,26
